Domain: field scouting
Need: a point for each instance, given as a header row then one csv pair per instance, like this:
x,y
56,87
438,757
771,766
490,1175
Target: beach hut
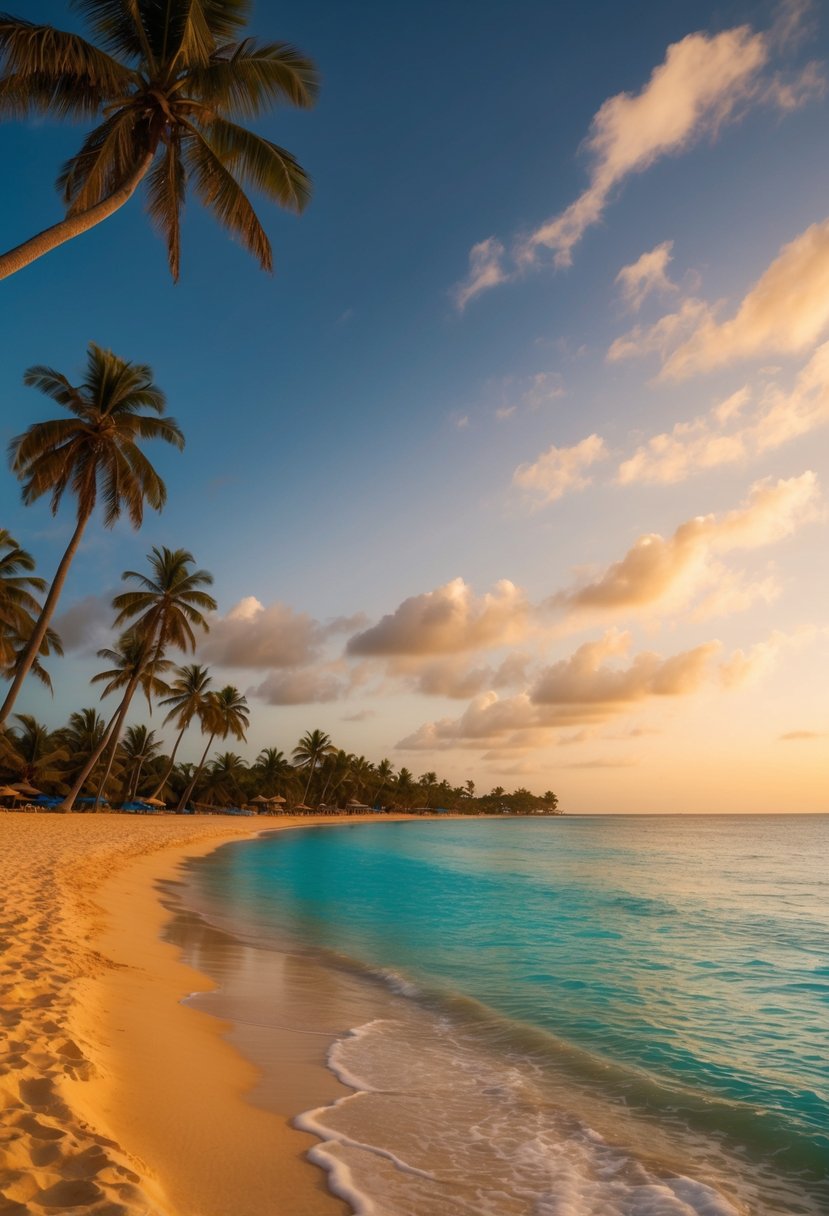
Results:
x,y
353,807
259,801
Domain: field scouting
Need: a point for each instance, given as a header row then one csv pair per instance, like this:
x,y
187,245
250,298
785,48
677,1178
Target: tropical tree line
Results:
x,y
316,774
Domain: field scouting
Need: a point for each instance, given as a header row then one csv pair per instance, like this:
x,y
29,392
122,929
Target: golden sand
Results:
x,y
115,1098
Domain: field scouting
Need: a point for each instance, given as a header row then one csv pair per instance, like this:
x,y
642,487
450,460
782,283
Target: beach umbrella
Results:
x,y
277,798
6,791
28,791
153,802
261,798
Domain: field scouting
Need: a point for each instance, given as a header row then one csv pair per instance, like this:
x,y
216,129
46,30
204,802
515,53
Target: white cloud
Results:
x,y
252,635
736,430
593,685
560,471
660,571
701,83
449,620
303,687
785,312
647,274
486,269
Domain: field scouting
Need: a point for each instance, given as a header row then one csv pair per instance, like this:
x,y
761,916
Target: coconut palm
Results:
x,y
16,643
130,668
273,770
309,753
223,713
19,606
96,453
186,696
138,748
163,612
32,753
169,80
384,771
81,737
224,777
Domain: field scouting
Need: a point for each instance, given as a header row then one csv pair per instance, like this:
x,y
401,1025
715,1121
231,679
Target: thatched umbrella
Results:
x,y
152,802
277,798
261,798
28,791
6,791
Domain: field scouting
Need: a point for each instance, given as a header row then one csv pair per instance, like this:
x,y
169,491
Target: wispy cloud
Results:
x,y
736,430
560,471
785,312
704,82
649,273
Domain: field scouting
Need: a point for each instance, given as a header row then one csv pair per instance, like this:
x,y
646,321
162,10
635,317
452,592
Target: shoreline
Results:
x,y
118,1097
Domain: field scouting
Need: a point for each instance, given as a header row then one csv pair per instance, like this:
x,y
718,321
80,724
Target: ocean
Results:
x,y
576,1016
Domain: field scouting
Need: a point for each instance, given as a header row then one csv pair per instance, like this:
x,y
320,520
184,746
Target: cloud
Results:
x,y
587,680
656,568
628,762
449,620
785,312
560,471
303,687
87,625
252,635
792,735
737,430
362,715
660,337
454,677
590,686
486,269
701,83
647,274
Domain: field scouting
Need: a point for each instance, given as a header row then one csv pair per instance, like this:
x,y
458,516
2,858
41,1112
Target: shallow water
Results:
x,y
573,1017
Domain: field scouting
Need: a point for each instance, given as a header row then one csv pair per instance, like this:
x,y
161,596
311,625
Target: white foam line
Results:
x,y
309,1123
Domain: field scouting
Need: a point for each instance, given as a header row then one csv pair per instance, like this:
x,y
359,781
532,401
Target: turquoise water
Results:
x,y
647,998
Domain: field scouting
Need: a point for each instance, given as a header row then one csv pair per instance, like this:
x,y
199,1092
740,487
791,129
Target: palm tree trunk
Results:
x,y
133,790
112,735
188,792
42,624
308,784
166,776
73,225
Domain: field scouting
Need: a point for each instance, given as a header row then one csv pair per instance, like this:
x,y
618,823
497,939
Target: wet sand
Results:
x,y
117,1098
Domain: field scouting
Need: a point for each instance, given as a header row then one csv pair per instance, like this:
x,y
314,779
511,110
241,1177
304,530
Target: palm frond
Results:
x,y
107,158
165,199
248,77
221,193
52,70
118,24
260,163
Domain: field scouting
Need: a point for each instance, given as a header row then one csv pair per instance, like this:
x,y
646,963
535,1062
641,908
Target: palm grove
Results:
x,y
165,84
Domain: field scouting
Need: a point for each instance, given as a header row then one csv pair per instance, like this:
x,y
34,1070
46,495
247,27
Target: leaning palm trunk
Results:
x,y
308,786
35,642
157,791
112,735
185,798
74,225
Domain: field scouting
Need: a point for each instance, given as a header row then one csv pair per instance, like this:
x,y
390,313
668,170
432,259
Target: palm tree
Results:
x,y
95,452
405,784
223,713
224,777
169,79
33,754
18,605
130,669
81,737
428,782
274,770
187,692
309,753
384,771
163,612
139,747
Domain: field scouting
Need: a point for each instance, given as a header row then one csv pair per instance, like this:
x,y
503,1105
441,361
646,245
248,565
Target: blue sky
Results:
x,y
353,435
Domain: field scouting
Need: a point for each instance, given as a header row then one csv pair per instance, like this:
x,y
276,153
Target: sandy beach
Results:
x,y
116,1098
